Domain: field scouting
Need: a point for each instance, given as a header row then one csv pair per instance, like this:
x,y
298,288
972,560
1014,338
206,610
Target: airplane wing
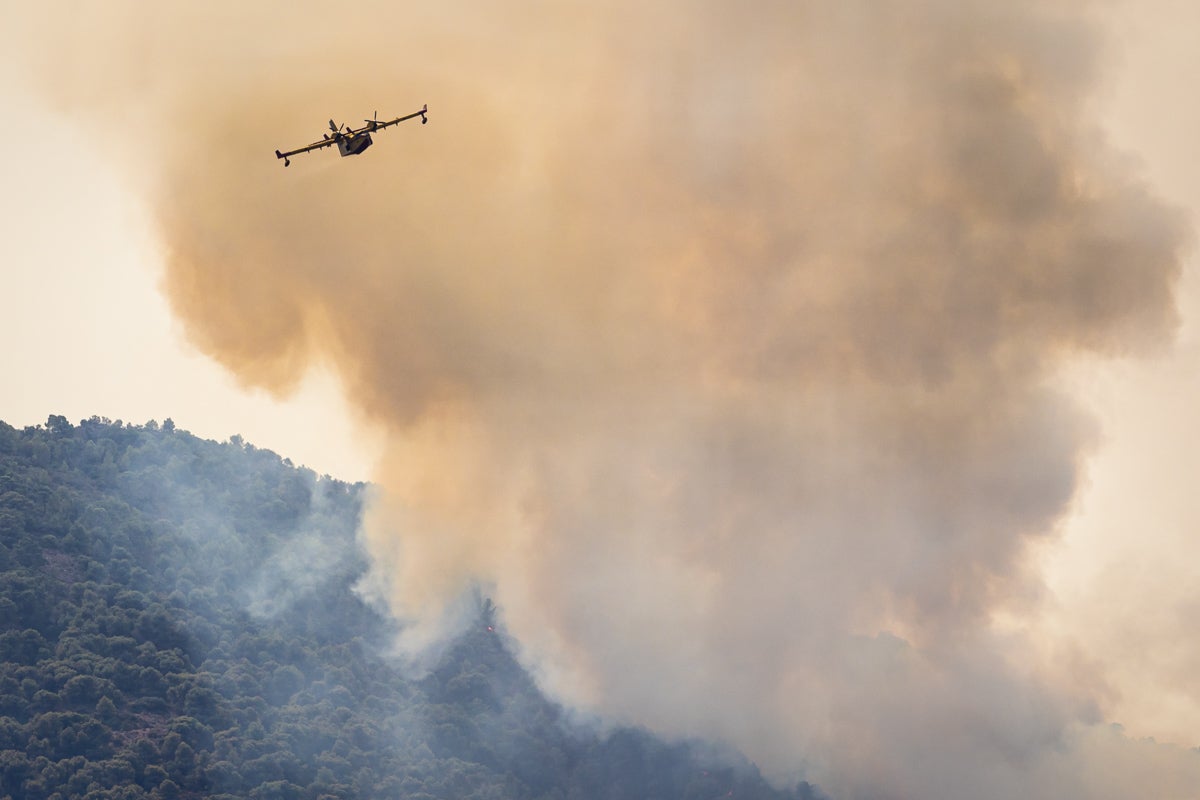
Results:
x,y
370,127
424,110
307,148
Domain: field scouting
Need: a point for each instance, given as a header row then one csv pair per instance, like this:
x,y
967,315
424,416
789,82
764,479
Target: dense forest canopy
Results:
x,y
179,618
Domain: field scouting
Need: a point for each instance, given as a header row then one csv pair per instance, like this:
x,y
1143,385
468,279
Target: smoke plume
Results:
x,y
720,342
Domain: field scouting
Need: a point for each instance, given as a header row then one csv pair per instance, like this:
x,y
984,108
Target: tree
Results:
x,y
106,710
133,663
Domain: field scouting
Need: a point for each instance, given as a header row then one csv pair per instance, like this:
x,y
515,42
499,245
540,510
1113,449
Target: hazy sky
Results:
x,y
105,205
1126,573
87,328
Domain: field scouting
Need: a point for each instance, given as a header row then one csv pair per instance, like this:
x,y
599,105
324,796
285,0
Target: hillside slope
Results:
x,y
178,618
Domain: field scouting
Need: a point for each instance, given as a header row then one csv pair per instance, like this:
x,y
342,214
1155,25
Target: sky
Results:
x,y
1124,572
525,326
91,334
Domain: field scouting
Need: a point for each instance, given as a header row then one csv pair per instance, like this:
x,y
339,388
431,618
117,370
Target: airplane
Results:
x,y
351,141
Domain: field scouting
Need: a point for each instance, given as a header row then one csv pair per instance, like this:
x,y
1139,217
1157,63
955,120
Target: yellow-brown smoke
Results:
x,y
718,341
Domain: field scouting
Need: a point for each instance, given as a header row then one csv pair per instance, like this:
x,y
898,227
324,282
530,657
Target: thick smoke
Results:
x,y
719,341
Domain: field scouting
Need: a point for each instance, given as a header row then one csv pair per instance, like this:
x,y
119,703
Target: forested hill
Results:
x,y
178,618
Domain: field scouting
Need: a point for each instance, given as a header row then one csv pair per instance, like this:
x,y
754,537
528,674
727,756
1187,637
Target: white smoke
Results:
x,y
720,342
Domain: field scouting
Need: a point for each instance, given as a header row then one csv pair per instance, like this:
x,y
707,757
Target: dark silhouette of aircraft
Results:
x,y
351,141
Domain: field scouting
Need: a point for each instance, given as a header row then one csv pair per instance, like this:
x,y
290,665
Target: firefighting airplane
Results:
x,y
351,141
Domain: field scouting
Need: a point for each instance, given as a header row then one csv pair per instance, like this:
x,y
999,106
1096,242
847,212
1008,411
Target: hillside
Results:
x,y
178,618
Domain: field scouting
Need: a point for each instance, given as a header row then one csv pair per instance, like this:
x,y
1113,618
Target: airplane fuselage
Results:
x,y
353,145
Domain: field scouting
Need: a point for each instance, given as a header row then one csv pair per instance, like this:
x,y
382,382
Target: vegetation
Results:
x,y
178,618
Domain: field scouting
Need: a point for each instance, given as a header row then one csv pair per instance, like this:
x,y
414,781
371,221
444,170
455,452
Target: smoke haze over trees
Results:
x,y
178,618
